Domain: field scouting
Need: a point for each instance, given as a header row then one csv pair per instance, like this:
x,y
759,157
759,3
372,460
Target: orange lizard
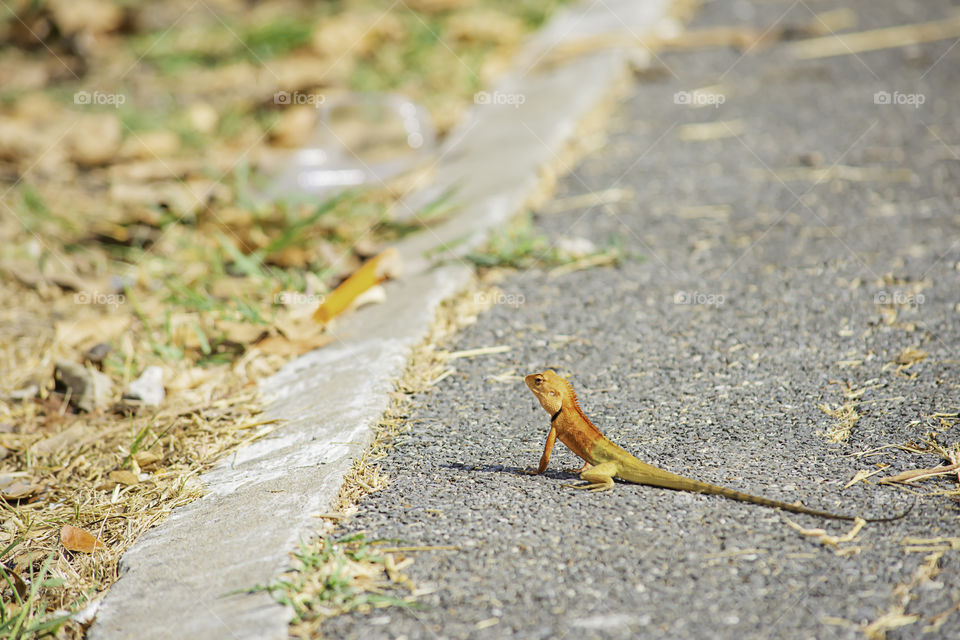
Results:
x,y
605,461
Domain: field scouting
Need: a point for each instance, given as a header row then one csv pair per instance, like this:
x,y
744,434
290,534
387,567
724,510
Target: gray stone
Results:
x,y
88,389
147,389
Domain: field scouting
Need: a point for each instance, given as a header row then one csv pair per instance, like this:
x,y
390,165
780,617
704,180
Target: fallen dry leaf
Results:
x,y
374,271
123,476
16,488
18,584
76,539
146,458
147,145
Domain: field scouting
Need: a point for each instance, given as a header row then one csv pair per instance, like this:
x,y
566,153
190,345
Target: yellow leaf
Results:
x,y
375,270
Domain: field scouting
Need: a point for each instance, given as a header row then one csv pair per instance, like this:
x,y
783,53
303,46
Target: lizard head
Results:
x,y
549,388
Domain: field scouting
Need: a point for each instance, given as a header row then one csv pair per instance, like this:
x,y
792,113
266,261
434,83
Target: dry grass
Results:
x,y
333,575
846,412
115,479
846,417
141,236
896,616
130,226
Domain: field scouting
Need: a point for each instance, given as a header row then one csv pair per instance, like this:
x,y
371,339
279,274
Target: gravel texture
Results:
x,y
755,299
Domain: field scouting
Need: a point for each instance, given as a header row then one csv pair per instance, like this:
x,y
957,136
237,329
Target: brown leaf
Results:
x,y
147,458
13,488
484,26
123,476
296,327
76,539
18,583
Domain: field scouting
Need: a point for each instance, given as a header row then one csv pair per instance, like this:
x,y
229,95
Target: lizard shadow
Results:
x,y
556,474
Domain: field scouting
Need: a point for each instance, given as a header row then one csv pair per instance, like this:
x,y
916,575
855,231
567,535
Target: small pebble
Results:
x,y
147,389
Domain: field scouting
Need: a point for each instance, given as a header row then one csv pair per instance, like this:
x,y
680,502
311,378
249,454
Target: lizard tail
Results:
x,y
767,502
642,473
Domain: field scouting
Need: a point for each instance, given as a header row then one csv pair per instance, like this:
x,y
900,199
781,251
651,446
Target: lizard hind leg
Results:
x,y
597,478
581,468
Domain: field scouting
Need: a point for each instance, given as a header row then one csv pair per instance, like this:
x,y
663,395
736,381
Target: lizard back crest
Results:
x,y
576,407
573,396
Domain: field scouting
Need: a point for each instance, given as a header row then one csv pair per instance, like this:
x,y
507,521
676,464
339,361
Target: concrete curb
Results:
x,y
178,578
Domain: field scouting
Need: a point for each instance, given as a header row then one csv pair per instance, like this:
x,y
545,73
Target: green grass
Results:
x,y
518,246
21,614
35,216
276,38
323,582
521,246
136,444
223,44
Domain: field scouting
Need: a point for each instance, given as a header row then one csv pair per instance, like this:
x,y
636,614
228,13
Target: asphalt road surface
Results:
x,y
790,250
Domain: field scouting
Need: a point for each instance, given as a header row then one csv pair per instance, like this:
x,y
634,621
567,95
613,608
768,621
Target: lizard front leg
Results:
x,y
597,478
545,458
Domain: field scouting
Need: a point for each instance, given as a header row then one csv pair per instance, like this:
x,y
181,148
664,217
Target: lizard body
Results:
x,y
605,461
